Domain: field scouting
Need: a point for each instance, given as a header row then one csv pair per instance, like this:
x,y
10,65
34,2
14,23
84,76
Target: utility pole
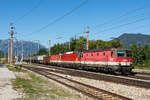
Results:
x,y
22,51
49,47
87,33
38,44
69,45
16,52
11,49
8,51
30,52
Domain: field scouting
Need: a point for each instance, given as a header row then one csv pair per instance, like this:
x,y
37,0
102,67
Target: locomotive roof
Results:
x,y
105,49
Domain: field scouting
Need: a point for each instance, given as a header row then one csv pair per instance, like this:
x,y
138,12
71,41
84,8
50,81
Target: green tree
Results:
x,y
80,45
73,42
134,50
116,44
92,44
42,51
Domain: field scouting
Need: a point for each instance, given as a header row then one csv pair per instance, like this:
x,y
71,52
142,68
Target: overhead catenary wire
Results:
x,y
147,31
121,16
136,28
121,25
3,33
59,18
135,16
118,26
30,11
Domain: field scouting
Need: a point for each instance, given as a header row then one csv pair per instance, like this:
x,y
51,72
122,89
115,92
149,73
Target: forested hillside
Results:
x,y
137,39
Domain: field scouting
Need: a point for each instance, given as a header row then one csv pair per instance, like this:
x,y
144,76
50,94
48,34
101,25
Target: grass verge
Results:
x,y
36,88
144,67
13,69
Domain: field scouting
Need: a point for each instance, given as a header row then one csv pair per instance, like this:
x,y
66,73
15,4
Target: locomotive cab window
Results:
x,y
123,53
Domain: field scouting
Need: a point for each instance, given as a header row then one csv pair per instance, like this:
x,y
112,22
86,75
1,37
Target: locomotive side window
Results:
x,y
112,54
104,54
91,54
86,54
80,55
97,54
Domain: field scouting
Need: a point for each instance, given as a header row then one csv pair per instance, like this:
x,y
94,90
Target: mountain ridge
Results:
x,y
28,47
139,39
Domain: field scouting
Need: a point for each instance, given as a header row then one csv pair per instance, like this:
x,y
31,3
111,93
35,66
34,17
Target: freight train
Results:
x,y
111,60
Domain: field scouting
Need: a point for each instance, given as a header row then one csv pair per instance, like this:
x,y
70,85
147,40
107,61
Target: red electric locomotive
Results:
x,y
108,60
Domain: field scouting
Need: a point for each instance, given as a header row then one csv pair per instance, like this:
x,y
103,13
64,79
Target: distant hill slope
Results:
x,y
27,47
128,39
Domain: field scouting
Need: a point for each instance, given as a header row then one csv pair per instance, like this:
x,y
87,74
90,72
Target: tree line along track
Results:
x,y
91,91
132,81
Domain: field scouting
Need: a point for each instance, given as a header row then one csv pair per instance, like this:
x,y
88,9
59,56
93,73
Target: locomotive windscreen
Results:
x,y
123,53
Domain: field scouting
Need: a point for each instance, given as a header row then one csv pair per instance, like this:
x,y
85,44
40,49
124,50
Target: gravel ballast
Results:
x,y
124,90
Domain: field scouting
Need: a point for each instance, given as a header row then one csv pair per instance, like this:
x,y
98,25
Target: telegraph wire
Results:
x,y
30,11
60,18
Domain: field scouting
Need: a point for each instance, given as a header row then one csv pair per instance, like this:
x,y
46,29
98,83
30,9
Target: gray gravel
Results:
x,y
127,91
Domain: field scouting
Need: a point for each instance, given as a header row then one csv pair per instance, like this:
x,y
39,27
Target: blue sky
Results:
x,y
121,16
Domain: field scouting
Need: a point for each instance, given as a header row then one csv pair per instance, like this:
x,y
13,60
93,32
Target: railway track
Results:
x,y
140,76
93,92
142,72
137,81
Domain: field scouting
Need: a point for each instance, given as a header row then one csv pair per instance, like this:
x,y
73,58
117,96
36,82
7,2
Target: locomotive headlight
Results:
x,y
111,59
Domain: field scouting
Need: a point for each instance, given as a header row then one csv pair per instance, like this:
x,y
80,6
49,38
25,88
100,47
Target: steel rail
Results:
x,y
100,76
91,91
